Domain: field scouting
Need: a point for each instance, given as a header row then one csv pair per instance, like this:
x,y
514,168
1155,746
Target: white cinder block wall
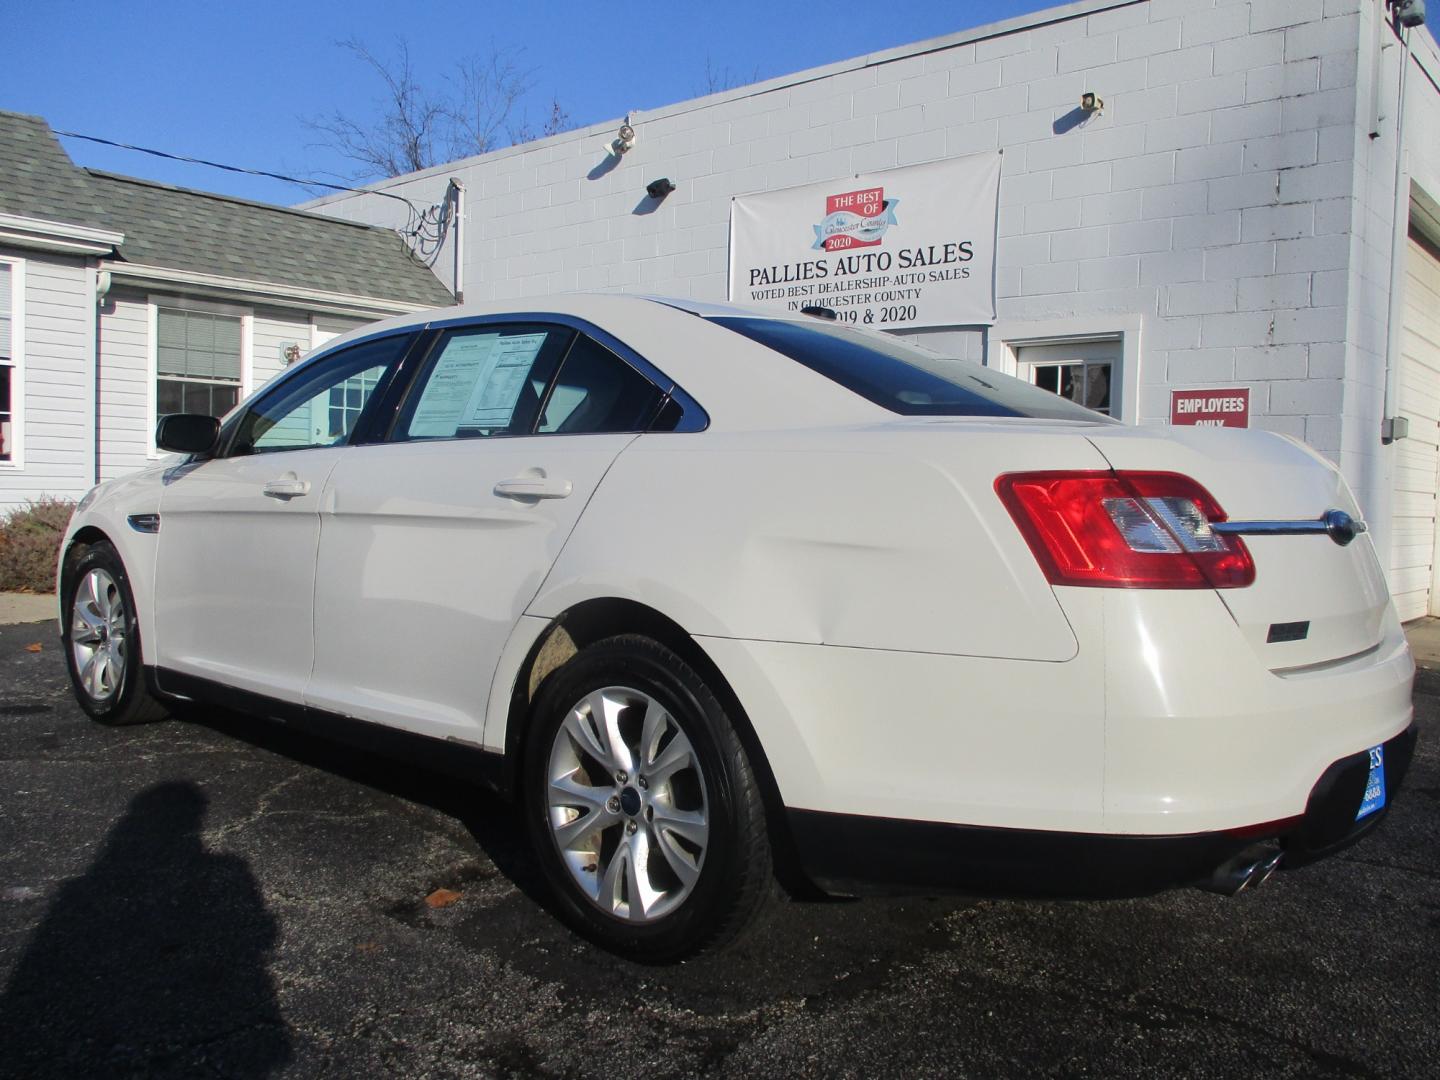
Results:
x,y
1230,195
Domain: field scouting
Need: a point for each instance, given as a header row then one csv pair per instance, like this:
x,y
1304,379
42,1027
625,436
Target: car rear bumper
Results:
x,y
1165,724
847,853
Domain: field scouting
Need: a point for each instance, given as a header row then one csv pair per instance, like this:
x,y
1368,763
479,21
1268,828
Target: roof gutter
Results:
x,y
266,292
58,236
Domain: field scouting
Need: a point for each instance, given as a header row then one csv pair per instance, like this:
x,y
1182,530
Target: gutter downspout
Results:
x,y
1381,509
1395,317
98,283
457,208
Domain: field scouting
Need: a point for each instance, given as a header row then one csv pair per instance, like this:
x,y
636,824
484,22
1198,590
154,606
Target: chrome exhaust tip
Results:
x,y
1248,870
1266,869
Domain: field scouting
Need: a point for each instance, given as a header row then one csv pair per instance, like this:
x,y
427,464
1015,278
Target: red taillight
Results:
x,y
1125,530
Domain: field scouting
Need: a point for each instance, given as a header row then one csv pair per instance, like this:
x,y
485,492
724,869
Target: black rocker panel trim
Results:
x,y
850,853
449,756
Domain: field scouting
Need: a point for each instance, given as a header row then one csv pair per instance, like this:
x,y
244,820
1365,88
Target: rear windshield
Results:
x,y
905,378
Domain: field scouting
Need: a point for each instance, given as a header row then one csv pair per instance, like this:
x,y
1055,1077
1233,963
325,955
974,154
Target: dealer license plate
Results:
x,y
1375,786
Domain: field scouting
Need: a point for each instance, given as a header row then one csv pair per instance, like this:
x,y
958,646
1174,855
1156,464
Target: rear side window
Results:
x,y
901,377
596,392
483,381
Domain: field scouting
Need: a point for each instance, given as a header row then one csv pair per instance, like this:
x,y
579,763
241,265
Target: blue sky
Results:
x,y
233,82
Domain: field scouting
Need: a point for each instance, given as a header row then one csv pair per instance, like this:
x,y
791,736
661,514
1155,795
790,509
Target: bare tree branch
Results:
x,y
718,79
556,122
418,126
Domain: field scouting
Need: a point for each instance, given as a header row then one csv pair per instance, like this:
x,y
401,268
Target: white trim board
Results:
x,y
17,359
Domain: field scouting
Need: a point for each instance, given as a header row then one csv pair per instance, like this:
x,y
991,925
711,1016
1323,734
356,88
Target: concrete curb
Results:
x,y
26,608
1424,637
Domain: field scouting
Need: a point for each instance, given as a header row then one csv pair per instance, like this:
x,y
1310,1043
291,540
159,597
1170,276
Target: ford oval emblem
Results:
x,y
1341,527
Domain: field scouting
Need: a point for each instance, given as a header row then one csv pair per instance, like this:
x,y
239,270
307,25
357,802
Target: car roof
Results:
x,y
717,368
710,309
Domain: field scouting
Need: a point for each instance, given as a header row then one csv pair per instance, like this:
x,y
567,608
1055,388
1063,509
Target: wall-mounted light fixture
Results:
x,y
658,189
624,139
1090,102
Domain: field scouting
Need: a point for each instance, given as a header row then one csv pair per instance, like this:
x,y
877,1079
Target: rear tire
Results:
x,y
648,825
101,638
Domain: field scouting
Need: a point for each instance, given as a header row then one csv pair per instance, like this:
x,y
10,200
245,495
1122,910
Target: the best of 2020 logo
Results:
x,y
855,219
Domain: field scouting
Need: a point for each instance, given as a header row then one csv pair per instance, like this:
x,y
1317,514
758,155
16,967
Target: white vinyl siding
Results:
x,y
53,343
126,393
275,329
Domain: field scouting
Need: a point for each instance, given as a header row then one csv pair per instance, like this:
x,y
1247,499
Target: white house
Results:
x,y
1226,221
121,299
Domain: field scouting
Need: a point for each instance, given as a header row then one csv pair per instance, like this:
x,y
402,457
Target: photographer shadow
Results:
x,y
152,962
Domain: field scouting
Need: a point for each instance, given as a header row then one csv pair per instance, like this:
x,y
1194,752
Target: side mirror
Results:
x,y
187,433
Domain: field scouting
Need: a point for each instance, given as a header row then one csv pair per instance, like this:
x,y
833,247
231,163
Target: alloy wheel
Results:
x,y
627,804
98,635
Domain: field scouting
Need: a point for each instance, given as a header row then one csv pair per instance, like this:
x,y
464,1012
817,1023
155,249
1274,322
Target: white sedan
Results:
x,y
720,595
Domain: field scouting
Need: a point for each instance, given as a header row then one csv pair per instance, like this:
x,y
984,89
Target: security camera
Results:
x,y
624,140
1090,102
658,189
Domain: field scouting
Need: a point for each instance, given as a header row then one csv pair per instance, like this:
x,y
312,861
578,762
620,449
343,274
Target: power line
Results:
x,y
237,168
426,229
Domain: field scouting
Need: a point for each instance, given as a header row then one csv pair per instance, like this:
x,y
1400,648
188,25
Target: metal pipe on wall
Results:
x,y
1400,230
457,236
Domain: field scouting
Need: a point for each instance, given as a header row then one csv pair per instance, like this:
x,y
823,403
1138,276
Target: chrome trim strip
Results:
x,y
1336,524
1326,665
1268,528
145,523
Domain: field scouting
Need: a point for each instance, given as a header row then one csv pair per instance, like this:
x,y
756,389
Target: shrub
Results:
x,y
30,544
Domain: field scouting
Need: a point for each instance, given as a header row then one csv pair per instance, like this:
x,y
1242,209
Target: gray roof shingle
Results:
x,y
203,233
215,234
37,177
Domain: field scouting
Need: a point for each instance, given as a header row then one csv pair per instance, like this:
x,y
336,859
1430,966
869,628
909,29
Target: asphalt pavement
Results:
x,y
221,897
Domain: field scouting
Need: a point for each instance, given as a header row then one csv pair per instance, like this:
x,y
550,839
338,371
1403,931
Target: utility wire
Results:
x,y
237,168
426,229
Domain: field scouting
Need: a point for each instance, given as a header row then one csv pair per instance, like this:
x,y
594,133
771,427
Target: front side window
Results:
x,y
197,362
321,404
902,377
7,362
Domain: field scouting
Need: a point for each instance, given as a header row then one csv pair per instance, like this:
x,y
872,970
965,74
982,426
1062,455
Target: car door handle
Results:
x,y
287,487
533,487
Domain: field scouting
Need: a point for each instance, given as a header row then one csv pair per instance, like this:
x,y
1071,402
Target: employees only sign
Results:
x,y
905,247
1210,408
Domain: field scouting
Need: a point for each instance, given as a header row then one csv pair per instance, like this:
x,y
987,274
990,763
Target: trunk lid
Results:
x,y
1340,592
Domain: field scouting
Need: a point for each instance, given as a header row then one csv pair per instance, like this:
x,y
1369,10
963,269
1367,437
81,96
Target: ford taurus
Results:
x,y
718,594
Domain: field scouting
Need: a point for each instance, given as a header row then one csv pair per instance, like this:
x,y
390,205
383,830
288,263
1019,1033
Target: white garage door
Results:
x,y
1413,555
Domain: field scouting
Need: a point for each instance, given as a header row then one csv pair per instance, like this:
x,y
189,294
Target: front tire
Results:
x,y
641,804
101,638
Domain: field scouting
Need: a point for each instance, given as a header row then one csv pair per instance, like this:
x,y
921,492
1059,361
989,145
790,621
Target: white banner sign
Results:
x,y
905,247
